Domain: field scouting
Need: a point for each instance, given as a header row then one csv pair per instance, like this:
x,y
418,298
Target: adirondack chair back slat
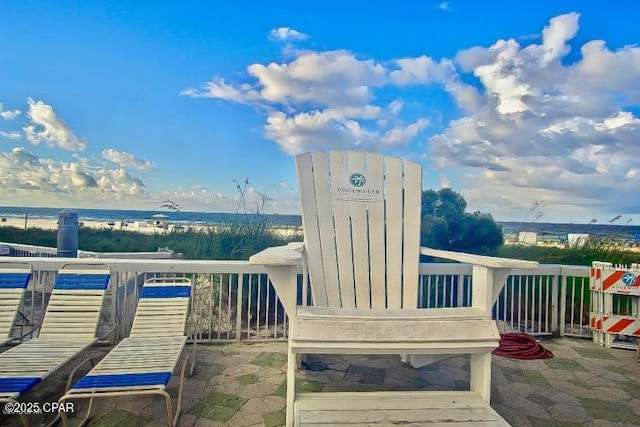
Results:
x,y
361,220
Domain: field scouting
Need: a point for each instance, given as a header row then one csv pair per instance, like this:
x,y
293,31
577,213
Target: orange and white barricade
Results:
x,y
615,302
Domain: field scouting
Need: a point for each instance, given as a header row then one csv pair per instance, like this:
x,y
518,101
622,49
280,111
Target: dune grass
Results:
x,y
591,251
233,241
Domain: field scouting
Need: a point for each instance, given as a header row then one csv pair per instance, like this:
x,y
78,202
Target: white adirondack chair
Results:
x,y
361,220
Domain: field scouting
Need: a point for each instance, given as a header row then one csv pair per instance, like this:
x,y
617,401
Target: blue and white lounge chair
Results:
x,y
143,363
14,278
69,327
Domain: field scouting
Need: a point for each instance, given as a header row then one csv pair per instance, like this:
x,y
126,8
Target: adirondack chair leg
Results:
x,y
300,360
291,386
481,375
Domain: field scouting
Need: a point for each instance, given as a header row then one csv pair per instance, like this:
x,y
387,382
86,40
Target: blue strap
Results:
x,y
18,385
82,281
123,380
165,291
14,280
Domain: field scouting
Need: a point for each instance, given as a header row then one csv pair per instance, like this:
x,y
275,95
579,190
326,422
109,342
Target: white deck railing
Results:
x,y
234,300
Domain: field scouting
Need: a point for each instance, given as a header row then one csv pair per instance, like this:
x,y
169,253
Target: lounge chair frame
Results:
x,y
160,343
14,279
68,330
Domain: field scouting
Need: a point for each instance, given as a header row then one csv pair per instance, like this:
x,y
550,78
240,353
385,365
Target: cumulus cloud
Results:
x,y
324,100
420,70
287,34
46,127
28,177
532,122
535,127
127,160
445,5
8,114
11,134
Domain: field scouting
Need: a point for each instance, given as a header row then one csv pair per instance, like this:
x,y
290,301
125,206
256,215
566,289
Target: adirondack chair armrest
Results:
x,y
485,261
290,254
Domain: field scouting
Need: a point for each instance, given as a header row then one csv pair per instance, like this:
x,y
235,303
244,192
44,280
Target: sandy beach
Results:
x,y
147,227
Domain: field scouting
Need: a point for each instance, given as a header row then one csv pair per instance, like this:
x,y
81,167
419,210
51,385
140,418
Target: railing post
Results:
x,y
554,304
563,302
239,307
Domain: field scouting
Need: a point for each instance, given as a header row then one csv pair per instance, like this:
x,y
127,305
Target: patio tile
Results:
x,y
219,407
275,360
244,385
582,383
540,399
632,389
513,416
120,418
187,420
274,419
559,374
419,382
302,385
611,394
515,375
634,405
248,379
616,369
534,377
365,374
610,411
315,366
569,414
244,419
566,364
594,353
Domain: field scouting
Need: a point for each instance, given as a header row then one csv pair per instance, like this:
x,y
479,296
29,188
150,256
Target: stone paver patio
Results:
x,y
244,385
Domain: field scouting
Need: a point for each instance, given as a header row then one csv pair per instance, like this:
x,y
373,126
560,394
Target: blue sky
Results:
x,y
127,104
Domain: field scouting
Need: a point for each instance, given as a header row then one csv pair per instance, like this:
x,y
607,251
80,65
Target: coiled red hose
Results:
x,y
518,345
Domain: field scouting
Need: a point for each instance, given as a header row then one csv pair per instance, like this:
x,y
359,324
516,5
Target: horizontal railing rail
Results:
x,y
20,250
234,300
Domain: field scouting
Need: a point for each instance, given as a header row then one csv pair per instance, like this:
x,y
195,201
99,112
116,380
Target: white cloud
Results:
x,y
537,128
444,182
220,89
286,34
9,114
323,100
47,127
127,160
421,70
445,5
332,78
533,122
11,134
330,129
28,178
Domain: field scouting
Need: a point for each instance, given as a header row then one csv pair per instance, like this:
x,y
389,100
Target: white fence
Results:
x,y
234,300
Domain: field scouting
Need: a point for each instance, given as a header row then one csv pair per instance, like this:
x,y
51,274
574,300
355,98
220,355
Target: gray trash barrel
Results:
x,y
68,234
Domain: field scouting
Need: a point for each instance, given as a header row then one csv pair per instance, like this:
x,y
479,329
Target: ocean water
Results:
x,y
135,215
545,230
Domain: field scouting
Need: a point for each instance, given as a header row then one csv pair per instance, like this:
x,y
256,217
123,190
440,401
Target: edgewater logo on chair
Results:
x,y
356,187
357,179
